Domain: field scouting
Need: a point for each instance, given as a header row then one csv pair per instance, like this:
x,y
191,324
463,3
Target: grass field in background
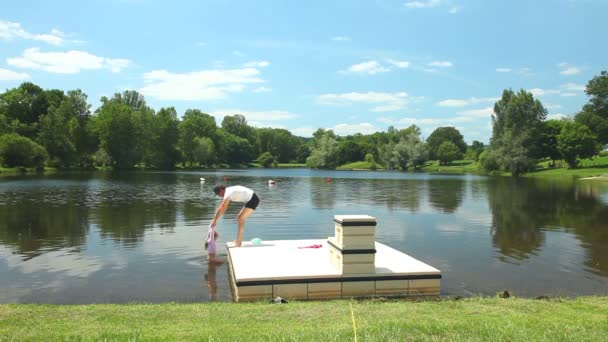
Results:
x,y
484,319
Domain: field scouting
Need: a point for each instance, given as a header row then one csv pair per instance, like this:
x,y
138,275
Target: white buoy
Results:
x,y
202,179
271,182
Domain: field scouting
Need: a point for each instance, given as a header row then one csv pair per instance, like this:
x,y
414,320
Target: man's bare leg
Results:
x,y
243,215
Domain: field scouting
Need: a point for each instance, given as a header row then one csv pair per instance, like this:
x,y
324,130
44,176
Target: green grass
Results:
x,y
457,166
587,168
485,319
362,165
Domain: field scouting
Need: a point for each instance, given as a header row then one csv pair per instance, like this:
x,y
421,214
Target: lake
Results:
x,y
137,236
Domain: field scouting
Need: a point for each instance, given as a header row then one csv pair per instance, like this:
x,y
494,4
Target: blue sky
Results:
x,y
350,66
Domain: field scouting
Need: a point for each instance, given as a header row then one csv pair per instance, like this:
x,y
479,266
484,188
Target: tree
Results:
x,y
474,150
204,151
237,125
116,127
20,151
233,149
448,152
66,130
576,141
23,107
442,134
279,142
195,124
597,124
266,159
548,140
349,151
325,154
512,154
370,159
416,150
400,155
386,156
165,127
55,135
595,113
516,124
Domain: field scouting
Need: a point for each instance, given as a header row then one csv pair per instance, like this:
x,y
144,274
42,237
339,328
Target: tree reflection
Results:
x,y
446,194
31,227
523,209
322,193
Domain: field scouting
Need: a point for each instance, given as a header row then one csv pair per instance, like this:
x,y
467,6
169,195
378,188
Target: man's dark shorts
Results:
x,y
253,202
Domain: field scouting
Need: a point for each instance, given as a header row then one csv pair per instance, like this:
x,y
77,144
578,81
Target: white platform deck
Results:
x,y
283,268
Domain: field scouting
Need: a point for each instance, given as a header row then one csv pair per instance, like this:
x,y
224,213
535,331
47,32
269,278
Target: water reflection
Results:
x,y
524,210
81,232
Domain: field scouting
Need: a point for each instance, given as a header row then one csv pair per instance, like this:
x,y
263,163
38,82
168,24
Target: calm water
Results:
x,y
127,237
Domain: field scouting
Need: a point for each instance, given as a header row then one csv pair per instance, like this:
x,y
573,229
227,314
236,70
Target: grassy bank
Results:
x,y
490,319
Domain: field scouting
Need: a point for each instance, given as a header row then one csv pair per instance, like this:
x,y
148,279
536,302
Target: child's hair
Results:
x,y
218,188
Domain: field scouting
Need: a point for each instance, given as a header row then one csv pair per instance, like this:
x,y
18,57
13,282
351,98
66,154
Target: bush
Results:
x,y
267,159
19,151
488,161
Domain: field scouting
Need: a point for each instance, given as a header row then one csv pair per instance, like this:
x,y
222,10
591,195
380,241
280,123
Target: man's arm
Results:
x,y
220,211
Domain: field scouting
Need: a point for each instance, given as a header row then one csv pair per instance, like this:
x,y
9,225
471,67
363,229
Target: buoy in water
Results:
x,y
327,180
271,182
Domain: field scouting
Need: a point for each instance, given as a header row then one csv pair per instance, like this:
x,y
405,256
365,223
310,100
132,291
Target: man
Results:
x,y
240,194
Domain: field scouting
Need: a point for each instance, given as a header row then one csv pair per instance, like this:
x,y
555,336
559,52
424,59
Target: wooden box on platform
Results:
x,y
352,250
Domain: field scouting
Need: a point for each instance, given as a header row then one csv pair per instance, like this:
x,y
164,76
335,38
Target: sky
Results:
x,y
350,66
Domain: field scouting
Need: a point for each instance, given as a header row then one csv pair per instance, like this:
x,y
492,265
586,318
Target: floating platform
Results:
x,y
324,269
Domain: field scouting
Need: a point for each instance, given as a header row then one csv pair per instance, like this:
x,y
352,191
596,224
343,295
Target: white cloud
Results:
x,y
306,131
542,92
198,85
503,69
566,90
383,102
341,39
568,70
422,4
11,30
573,87
8,75
258,116
262,90
550,106
369,67
238,53
483,112
350,129
399,64
453,103
69,62
462,103
257,64
440,64
556,116
454,10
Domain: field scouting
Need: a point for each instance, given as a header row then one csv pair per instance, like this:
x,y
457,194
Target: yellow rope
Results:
x,y
352,315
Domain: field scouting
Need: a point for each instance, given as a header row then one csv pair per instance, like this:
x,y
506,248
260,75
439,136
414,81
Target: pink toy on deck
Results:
x,y
210,244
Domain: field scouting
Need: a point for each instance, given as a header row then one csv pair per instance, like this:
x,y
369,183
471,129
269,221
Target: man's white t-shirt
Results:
x,y
238,193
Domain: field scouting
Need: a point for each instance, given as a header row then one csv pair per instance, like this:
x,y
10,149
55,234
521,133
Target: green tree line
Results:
x,y
50,127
